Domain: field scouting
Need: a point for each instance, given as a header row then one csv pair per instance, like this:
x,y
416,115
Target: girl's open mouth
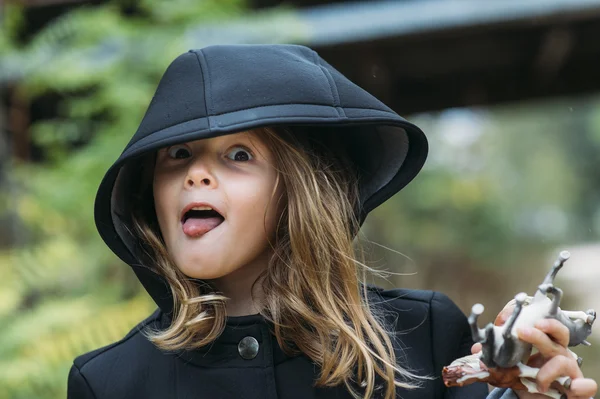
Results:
x,y
196,222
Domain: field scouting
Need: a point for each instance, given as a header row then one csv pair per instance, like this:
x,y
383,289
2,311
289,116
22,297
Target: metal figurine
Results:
x,y
502,360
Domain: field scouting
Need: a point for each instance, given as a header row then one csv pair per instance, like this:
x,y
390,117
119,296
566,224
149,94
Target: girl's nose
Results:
x,y
199,175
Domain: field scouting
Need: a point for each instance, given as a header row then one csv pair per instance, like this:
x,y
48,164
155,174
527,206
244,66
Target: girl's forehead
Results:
x,y
252,139
246,136
249,136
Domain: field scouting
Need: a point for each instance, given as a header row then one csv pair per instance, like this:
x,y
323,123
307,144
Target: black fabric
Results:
x,y
227,89
431,333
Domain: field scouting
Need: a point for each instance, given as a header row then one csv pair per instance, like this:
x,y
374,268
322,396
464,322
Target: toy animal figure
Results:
x,y
470,369
502,359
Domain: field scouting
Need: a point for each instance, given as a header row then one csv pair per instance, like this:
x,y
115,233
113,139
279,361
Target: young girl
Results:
x,y
236,204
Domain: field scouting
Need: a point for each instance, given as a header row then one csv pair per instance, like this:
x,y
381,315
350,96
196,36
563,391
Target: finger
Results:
x,y
543,343
504,314
536,361
583,388
476,348
555,329
556,367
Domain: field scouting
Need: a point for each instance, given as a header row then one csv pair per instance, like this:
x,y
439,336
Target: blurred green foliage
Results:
x,y
62,292
503,187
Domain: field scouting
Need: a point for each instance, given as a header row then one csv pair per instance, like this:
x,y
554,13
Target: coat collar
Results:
x,y
225,350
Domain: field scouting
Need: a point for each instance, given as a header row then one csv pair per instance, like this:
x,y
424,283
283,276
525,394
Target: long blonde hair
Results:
x,y
314,291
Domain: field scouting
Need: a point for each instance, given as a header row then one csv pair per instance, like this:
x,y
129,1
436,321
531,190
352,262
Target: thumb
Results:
x,y
476,348
504,314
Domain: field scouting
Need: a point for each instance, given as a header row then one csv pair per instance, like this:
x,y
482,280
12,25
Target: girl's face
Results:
x,y
215,205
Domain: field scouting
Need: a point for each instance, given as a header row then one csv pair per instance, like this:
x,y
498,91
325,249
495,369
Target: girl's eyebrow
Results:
x,y
258,147
243,136
163,150
245,139
249,140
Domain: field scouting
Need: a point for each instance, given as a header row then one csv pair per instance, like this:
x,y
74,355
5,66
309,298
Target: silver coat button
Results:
x,y
248,347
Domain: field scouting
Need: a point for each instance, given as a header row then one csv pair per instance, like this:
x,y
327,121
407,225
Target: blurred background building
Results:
x,y
506,91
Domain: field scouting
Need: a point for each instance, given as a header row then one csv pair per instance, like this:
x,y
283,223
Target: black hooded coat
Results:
x,y
226,89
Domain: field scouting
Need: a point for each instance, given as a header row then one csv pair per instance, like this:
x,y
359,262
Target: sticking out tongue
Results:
x,y
197,226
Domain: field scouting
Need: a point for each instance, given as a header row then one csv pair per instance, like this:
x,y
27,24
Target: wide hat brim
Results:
x,y
388,150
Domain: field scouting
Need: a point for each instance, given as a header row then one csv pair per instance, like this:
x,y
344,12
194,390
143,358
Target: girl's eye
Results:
x,y
239,154
179,152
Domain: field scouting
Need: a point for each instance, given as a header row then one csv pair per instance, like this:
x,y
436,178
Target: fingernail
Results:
x,y
541,388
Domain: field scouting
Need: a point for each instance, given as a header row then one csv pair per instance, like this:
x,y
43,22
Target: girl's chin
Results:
x,y
193,252
206,273
205,266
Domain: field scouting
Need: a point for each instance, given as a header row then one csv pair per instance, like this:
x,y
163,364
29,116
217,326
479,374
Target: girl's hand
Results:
x,y
550,337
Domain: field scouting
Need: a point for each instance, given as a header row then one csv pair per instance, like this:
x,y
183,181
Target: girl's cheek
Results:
x,y
164,195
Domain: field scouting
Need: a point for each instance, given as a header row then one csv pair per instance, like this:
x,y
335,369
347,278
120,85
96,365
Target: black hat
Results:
x,y
221,90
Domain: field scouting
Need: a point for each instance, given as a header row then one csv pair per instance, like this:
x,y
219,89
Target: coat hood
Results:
x,y
220,90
